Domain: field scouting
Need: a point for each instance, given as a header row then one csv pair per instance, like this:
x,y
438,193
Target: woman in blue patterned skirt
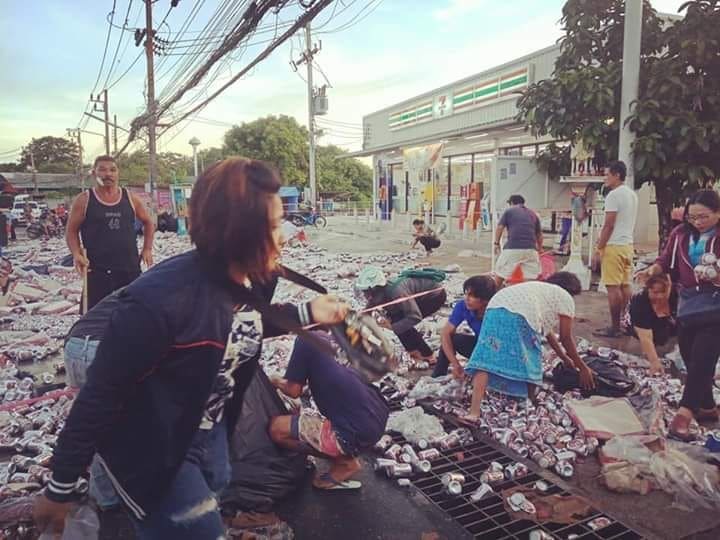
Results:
x,y
508,353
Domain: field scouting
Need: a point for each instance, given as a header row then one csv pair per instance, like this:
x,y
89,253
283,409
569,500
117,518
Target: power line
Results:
x,y
357,18
119,43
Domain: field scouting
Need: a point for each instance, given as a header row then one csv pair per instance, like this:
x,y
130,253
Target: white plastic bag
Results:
x,y
81,523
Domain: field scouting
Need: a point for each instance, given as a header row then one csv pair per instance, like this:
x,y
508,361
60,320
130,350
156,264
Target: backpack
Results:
x,y
438,276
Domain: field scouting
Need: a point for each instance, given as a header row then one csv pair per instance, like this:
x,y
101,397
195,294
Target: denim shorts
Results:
x,y
79,354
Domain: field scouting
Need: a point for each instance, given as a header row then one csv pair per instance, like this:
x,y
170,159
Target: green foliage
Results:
x,y
677,116
51,154
10,167
277,139
283,142
134,168
208,156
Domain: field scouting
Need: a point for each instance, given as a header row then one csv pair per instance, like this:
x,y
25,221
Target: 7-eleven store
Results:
x,y
434,153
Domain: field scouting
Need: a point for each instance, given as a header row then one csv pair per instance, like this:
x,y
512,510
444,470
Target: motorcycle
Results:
x,y
307,217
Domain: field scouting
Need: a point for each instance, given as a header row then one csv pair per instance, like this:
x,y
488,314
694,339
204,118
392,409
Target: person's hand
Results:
x,y
81,263
328,309
457,371
597,257
49,516
147,257
641,276
384,323
587,379
656,370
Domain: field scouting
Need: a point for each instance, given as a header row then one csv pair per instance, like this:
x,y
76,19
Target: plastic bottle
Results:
x,y
81,523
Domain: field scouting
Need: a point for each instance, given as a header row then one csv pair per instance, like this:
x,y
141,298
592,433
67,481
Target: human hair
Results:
x,y
483,287
103,158
658,279
709,198
229,214
516,199
619,168
566,280
417,222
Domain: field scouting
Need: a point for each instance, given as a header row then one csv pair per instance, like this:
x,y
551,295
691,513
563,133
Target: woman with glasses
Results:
x,y
699,346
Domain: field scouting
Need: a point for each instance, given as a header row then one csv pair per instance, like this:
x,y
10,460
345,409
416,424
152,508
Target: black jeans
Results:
x,y
463,344
411,339
101,283
700,349
429,243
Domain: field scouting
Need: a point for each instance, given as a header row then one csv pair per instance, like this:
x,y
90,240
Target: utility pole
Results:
x,y
34,172
114,134
151,105
102,99
307,59
630,81
76,133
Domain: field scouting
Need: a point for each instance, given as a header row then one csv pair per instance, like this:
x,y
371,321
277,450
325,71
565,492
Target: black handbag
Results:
x,y
699,307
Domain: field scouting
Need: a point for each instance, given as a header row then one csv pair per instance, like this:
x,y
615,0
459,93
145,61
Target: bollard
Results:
x,y
355,212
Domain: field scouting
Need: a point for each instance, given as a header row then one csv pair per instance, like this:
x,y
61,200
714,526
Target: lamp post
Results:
x,y
194,142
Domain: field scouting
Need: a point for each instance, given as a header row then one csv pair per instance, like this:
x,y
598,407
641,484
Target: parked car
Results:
x,y
18,211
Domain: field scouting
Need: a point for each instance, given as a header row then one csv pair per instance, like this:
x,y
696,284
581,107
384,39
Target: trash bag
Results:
x,y
81,523
611,380
262,472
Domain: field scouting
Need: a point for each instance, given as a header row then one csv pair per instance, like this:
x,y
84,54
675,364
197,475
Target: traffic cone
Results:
x,y
517,276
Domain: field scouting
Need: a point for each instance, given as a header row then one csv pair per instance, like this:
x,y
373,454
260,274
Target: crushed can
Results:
x,y
564,469
454,488
384,443
430,454
452,477
422,465
398,470
483,491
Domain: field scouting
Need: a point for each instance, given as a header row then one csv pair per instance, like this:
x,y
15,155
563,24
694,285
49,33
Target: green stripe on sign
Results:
x,y
513,82
462,98
486,91
425,110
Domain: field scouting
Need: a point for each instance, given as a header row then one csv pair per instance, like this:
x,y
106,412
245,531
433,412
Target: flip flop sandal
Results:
x,y
468,420
335,485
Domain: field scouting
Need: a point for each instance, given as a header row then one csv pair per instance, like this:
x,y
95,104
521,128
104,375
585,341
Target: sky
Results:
x,y
390,50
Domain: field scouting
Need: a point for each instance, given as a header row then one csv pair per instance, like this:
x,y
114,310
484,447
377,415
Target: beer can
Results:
x,y
492,477
384,443
599,523
454,488
496,466
393,452
567,455
423,444
410,451
564,469
541,486
430,454
484,490
539,458
539,534
449,442
517,470
422,465
579,447
405,458
380,464
404,482
399,469
519,447
550,456
452,477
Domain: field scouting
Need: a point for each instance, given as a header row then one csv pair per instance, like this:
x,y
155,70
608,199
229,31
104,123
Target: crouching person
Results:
x,y
352,415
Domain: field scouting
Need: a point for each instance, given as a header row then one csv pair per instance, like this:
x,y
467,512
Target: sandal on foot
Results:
x,y
608,333
469,420
332,484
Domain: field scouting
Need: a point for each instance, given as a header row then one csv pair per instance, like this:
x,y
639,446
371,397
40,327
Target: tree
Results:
x,y
10,167
676,116
277,139
134,168
51,155
208,156
345,177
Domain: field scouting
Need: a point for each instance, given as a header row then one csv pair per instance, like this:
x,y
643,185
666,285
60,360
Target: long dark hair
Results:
x,y
708,198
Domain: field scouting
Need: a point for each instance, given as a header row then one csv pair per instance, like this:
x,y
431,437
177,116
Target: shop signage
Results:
x,y
476,94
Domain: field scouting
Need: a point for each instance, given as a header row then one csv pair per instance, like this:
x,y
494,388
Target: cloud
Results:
x,y
455,8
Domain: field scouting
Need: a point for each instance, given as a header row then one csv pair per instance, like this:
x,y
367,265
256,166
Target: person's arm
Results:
x,y
135,341
567,339
562,355
72,233
148,229
446,343
607,230
410,310
538,235
322,310
645,335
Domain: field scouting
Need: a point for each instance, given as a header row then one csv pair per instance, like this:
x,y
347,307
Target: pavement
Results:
x,y
381,510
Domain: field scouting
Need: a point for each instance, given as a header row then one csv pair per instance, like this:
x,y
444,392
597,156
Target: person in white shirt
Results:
x,y
615,249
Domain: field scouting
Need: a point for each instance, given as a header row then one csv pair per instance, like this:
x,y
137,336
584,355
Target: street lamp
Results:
x,y
194,142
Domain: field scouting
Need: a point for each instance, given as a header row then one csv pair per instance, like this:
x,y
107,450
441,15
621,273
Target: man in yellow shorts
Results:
x,y
615,246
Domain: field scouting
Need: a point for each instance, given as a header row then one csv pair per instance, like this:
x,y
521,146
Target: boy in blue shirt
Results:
x,y
478,292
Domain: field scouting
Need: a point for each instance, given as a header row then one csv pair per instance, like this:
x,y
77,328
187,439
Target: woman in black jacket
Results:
x,y
168,378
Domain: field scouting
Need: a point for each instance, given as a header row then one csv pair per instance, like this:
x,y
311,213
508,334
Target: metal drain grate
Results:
x,y
488,518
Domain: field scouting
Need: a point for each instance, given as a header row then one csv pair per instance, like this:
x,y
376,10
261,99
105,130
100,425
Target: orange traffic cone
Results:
x,y
517,276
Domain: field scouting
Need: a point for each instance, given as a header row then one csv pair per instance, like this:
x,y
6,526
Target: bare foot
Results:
x,y
341,469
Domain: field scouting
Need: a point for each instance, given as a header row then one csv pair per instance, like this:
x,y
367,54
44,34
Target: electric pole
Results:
x,y
76,133
630,82
114,134
34,172
102,99
151,105
307,59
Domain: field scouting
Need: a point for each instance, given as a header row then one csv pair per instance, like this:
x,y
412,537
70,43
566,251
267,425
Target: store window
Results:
x,y
461,168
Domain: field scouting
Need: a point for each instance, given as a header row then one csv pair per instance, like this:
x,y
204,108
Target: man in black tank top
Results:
x,y
104,217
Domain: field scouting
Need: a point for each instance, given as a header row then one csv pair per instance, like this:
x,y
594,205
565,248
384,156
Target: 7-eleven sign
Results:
x,y
442,105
